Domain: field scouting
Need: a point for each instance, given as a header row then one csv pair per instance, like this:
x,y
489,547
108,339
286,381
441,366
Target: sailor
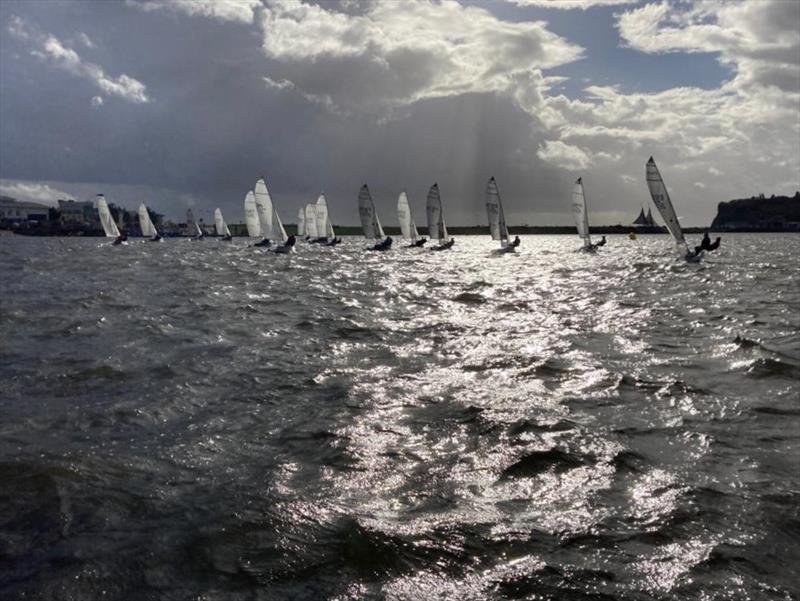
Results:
x,y
516,242
706,244
290,241
601,243
123,237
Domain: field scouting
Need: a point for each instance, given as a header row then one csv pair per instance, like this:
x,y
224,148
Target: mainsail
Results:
x,y
220,225
497,218
279,229
369,217
580,212
311,221
264,208
145,223
106,220
658,191
322,216
301,222
437,229
251,216
407,225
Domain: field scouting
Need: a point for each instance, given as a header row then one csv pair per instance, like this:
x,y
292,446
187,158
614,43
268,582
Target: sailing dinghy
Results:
x,y
107,220
407,225
251,216
660,196
370,224
286,242
221,226
325,232
497,219
437,230
146,225
301,222
581,214
311,223
263,204
193,230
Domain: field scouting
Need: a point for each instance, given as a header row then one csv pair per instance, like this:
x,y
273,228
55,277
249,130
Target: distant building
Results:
x,y
75,213
645,220
15,211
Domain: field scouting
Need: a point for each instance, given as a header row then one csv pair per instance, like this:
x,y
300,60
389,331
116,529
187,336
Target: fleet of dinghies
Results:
x,y
314,223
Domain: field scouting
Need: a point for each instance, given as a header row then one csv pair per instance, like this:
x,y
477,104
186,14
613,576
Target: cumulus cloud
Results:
x,y
571,4
242,11
563,155
51,50
32,191
97,101
760,40
390,54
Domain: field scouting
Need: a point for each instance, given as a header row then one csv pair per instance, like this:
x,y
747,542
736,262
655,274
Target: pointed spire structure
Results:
x,y
641,219
650,221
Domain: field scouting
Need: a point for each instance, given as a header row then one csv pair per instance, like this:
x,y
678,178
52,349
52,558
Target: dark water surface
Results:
x,y
208,421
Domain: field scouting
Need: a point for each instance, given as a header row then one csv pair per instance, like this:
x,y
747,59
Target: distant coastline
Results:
x,y
756,214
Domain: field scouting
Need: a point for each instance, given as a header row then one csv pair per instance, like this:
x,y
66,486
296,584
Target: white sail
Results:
x,y
580,212
220,225
370,223
494,210
406,219
106,220
198,231
251,216
264,208
437,229
145,223
322,216
311,221
658,191
329,233
280,231
301,222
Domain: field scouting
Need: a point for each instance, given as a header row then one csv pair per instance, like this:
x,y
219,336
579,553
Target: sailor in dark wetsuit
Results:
x,y
706,244
601,243
290,241
123,237
419,243
516,242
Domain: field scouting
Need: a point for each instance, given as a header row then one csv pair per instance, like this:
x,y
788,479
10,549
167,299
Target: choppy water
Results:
x,y
209,421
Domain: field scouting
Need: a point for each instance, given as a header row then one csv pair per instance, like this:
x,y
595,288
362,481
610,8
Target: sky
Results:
x,y
185,103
